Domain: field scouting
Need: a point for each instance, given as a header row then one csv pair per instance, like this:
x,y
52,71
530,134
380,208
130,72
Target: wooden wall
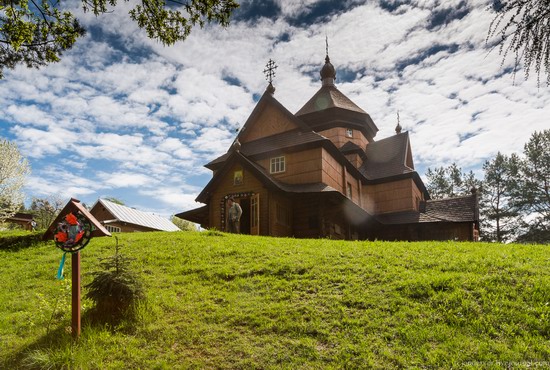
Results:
x,y
425,231
319,216
270,121
355,159
338,177
277,228
307,216
301,167
333,172
389,197
338,136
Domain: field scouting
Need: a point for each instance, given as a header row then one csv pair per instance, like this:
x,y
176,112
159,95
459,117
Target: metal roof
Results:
x,y
133,216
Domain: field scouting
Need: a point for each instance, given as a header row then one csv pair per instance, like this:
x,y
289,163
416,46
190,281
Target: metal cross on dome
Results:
x,y
270,70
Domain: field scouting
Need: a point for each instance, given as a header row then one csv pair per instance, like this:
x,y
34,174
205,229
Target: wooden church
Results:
x,y
319,173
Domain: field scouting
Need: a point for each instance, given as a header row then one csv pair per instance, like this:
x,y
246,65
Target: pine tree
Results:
x,y
533,195
498,207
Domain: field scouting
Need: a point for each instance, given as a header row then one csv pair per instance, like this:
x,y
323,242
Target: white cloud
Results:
x,y
177,198
125,179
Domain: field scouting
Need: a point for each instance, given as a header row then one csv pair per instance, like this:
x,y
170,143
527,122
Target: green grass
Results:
x,y
228,301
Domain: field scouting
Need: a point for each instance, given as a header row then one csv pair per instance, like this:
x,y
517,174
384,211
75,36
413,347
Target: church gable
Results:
x,y
269,118
269,122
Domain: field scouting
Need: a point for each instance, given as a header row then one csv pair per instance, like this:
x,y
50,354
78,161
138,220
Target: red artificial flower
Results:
x,y
79,236
61,237
71,219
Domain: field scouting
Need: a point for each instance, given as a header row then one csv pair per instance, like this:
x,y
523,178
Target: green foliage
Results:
x,y
444,182
45,210
115,200
14,240
522,28
37,33
534,187
237,301
115,289
184,225
498,204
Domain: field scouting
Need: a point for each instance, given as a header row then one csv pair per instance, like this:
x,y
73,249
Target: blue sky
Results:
x,y
123,116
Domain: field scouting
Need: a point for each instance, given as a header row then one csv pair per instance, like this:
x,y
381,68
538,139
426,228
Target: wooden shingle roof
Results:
x,y
457,209
387,157
279,142
328,97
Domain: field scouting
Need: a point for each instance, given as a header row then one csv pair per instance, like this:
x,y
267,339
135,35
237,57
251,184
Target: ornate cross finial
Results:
x,y
270,70
326,44
398,128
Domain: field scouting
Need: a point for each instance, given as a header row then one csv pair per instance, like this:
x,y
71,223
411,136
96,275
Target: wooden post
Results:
x,y
75,295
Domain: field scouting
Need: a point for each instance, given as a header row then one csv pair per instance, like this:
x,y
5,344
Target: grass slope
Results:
x,y
230,301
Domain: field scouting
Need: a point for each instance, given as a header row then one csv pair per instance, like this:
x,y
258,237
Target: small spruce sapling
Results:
x,y
115,289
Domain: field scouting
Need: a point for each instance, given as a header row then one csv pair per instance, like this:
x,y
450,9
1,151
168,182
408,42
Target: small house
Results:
x,y
22,219
119,218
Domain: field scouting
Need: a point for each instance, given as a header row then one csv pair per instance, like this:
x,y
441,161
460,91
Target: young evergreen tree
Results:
x,y
499,211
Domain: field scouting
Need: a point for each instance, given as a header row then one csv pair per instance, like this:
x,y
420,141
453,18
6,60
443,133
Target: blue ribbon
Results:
x,y
60,269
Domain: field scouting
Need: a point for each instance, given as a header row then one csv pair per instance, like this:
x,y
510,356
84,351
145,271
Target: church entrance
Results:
x,y
250,218
245,218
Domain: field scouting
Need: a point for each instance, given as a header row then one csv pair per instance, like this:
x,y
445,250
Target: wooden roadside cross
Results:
x,y
72,230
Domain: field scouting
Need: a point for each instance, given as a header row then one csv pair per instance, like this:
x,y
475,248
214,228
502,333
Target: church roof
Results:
x,y
263,176
458,209
328,97
387,157
273,143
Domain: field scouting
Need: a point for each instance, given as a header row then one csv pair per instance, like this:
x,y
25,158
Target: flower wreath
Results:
x,y
73,233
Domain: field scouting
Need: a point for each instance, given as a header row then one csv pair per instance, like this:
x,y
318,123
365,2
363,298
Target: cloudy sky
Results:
x,y
125,117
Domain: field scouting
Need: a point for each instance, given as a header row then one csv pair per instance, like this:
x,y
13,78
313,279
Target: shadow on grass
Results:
x,y
57,349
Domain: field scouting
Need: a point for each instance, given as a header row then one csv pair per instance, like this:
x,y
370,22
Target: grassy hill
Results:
x,y
230,301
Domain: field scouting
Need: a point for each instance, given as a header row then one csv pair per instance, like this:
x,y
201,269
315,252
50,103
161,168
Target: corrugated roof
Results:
x,y
328,97
133,216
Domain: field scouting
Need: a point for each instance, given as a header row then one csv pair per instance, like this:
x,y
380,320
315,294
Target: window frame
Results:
x,y
113,229
349,132
277,164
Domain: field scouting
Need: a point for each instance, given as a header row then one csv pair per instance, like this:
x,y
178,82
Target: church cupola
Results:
x,y
328,73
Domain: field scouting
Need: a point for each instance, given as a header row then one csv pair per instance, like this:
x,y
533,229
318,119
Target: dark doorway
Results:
x,y
245,218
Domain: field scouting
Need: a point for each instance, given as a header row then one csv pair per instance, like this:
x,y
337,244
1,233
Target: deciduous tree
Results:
x,y
37,32
45,210
14,168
